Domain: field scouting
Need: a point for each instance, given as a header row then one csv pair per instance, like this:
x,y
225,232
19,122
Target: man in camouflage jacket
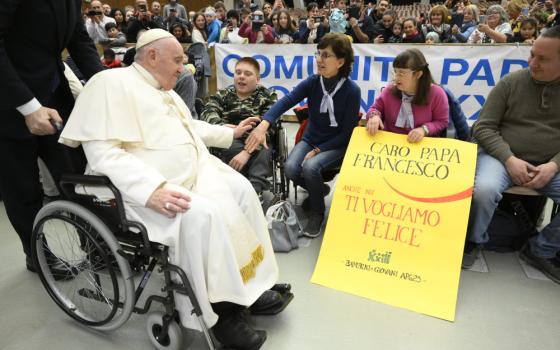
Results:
x,y
230,106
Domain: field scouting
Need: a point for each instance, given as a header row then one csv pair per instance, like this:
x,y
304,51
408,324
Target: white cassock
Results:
x,y
141,136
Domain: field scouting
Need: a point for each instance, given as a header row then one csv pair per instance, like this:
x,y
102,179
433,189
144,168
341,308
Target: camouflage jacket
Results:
x,y
226,108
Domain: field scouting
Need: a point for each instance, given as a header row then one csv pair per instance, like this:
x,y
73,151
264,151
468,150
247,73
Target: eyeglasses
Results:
x,y
323,55
402,72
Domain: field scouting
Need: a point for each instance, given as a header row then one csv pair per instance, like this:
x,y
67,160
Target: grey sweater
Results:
x,y
521,117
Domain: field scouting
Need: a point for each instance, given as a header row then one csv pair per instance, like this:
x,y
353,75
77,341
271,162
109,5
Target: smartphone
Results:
x,y
482,19
142,8
318,19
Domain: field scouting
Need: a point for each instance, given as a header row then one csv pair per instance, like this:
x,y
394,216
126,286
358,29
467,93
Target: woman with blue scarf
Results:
x,y
334,106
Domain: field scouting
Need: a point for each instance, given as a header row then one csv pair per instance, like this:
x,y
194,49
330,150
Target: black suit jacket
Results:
x,y
33,34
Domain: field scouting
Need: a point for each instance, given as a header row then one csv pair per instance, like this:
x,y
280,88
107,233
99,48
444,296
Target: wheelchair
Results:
x,y
87,254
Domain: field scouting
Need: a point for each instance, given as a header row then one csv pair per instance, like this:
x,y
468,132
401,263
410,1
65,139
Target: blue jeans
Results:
x,y
309,174
491,180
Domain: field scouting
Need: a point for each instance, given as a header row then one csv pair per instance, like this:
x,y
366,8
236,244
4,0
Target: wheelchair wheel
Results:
x,y
174,337
80,267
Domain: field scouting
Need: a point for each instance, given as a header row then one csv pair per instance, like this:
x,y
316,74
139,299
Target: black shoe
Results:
x,y
550,267
269,299
313,227
469,254
305,203
233,331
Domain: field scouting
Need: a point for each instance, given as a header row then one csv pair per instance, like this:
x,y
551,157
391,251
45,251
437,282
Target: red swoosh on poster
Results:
x,y
443,199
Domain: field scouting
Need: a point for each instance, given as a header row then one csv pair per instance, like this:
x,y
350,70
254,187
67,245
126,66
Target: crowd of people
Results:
x,y
454,21
158,158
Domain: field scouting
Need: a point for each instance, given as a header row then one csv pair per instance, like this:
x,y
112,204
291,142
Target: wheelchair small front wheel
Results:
x,y
170,341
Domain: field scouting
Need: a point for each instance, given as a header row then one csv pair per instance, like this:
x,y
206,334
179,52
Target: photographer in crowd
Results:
x,y
142,20
254,29
96,22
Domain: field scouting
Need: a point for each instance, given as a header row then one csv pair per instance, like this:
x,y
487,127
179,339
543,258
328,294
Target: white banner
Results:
x,y
470,72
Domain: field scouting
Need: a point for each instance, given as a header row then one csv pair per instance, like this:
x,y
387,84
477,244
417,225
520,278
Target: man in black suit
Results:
x,y
34,97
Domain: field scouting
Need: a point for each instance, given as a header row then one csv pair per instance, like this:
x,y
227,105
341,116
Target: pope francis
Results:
x,y
137,131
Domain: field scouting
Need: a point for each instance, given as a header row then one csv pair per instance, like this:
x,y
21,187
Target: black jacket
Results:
x,y
33,34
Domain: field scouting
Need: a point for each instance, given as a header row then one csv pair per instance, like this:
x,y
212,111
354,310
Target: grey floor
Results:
x,y
501,309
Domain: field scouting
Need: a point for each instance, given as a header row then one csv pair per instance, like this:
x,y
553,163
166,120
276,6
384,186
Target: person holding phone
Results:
x,y
516,11
470,21
95,24
361,27
255,30
495,29
180,10
312,29
230,34
141,21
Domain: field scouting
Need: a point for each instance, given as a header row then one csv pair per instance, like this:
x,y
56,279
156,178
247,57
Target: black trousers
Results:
x,y
19,173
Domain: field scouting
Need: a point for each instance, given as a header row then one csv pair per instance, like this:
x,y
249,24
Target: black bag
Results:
x,y
514,221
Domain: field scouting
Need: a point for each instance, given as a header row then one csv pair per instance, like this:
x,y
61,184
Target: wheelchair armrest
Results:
x,y
68,184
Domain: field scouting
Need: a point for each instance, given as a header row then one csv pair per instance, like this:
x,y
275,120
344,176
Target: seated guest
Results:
x,y
384,28
156,14
96,21
120,20
200,29
246,98
518,137
361,29
109,59
411,34
285,30
141,21
334,106
438,24
470,21
397,36
213,25
114,37
186,85
174,5
255,30
157,156
527,32
230,33
495,30
173,19
338,18
414,105
432,38
181,33
312,29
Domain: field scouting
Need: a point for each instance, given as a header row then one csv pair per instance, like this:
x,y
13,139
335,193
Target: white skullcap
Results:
x,y
152,35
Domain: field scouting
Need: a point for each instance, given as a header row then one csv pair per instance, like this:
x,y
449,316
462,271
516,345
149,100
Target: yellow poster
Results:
x,y
397,223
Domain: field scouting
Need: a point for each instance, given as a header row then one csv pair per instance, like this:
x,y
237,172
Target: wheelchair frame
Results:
x,y
132,248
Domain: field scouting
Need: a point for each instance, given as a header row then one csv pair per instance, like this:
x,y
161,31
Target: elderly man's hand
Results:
x,y
168,202
244,126
544,173
519,170
240,160
40,121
